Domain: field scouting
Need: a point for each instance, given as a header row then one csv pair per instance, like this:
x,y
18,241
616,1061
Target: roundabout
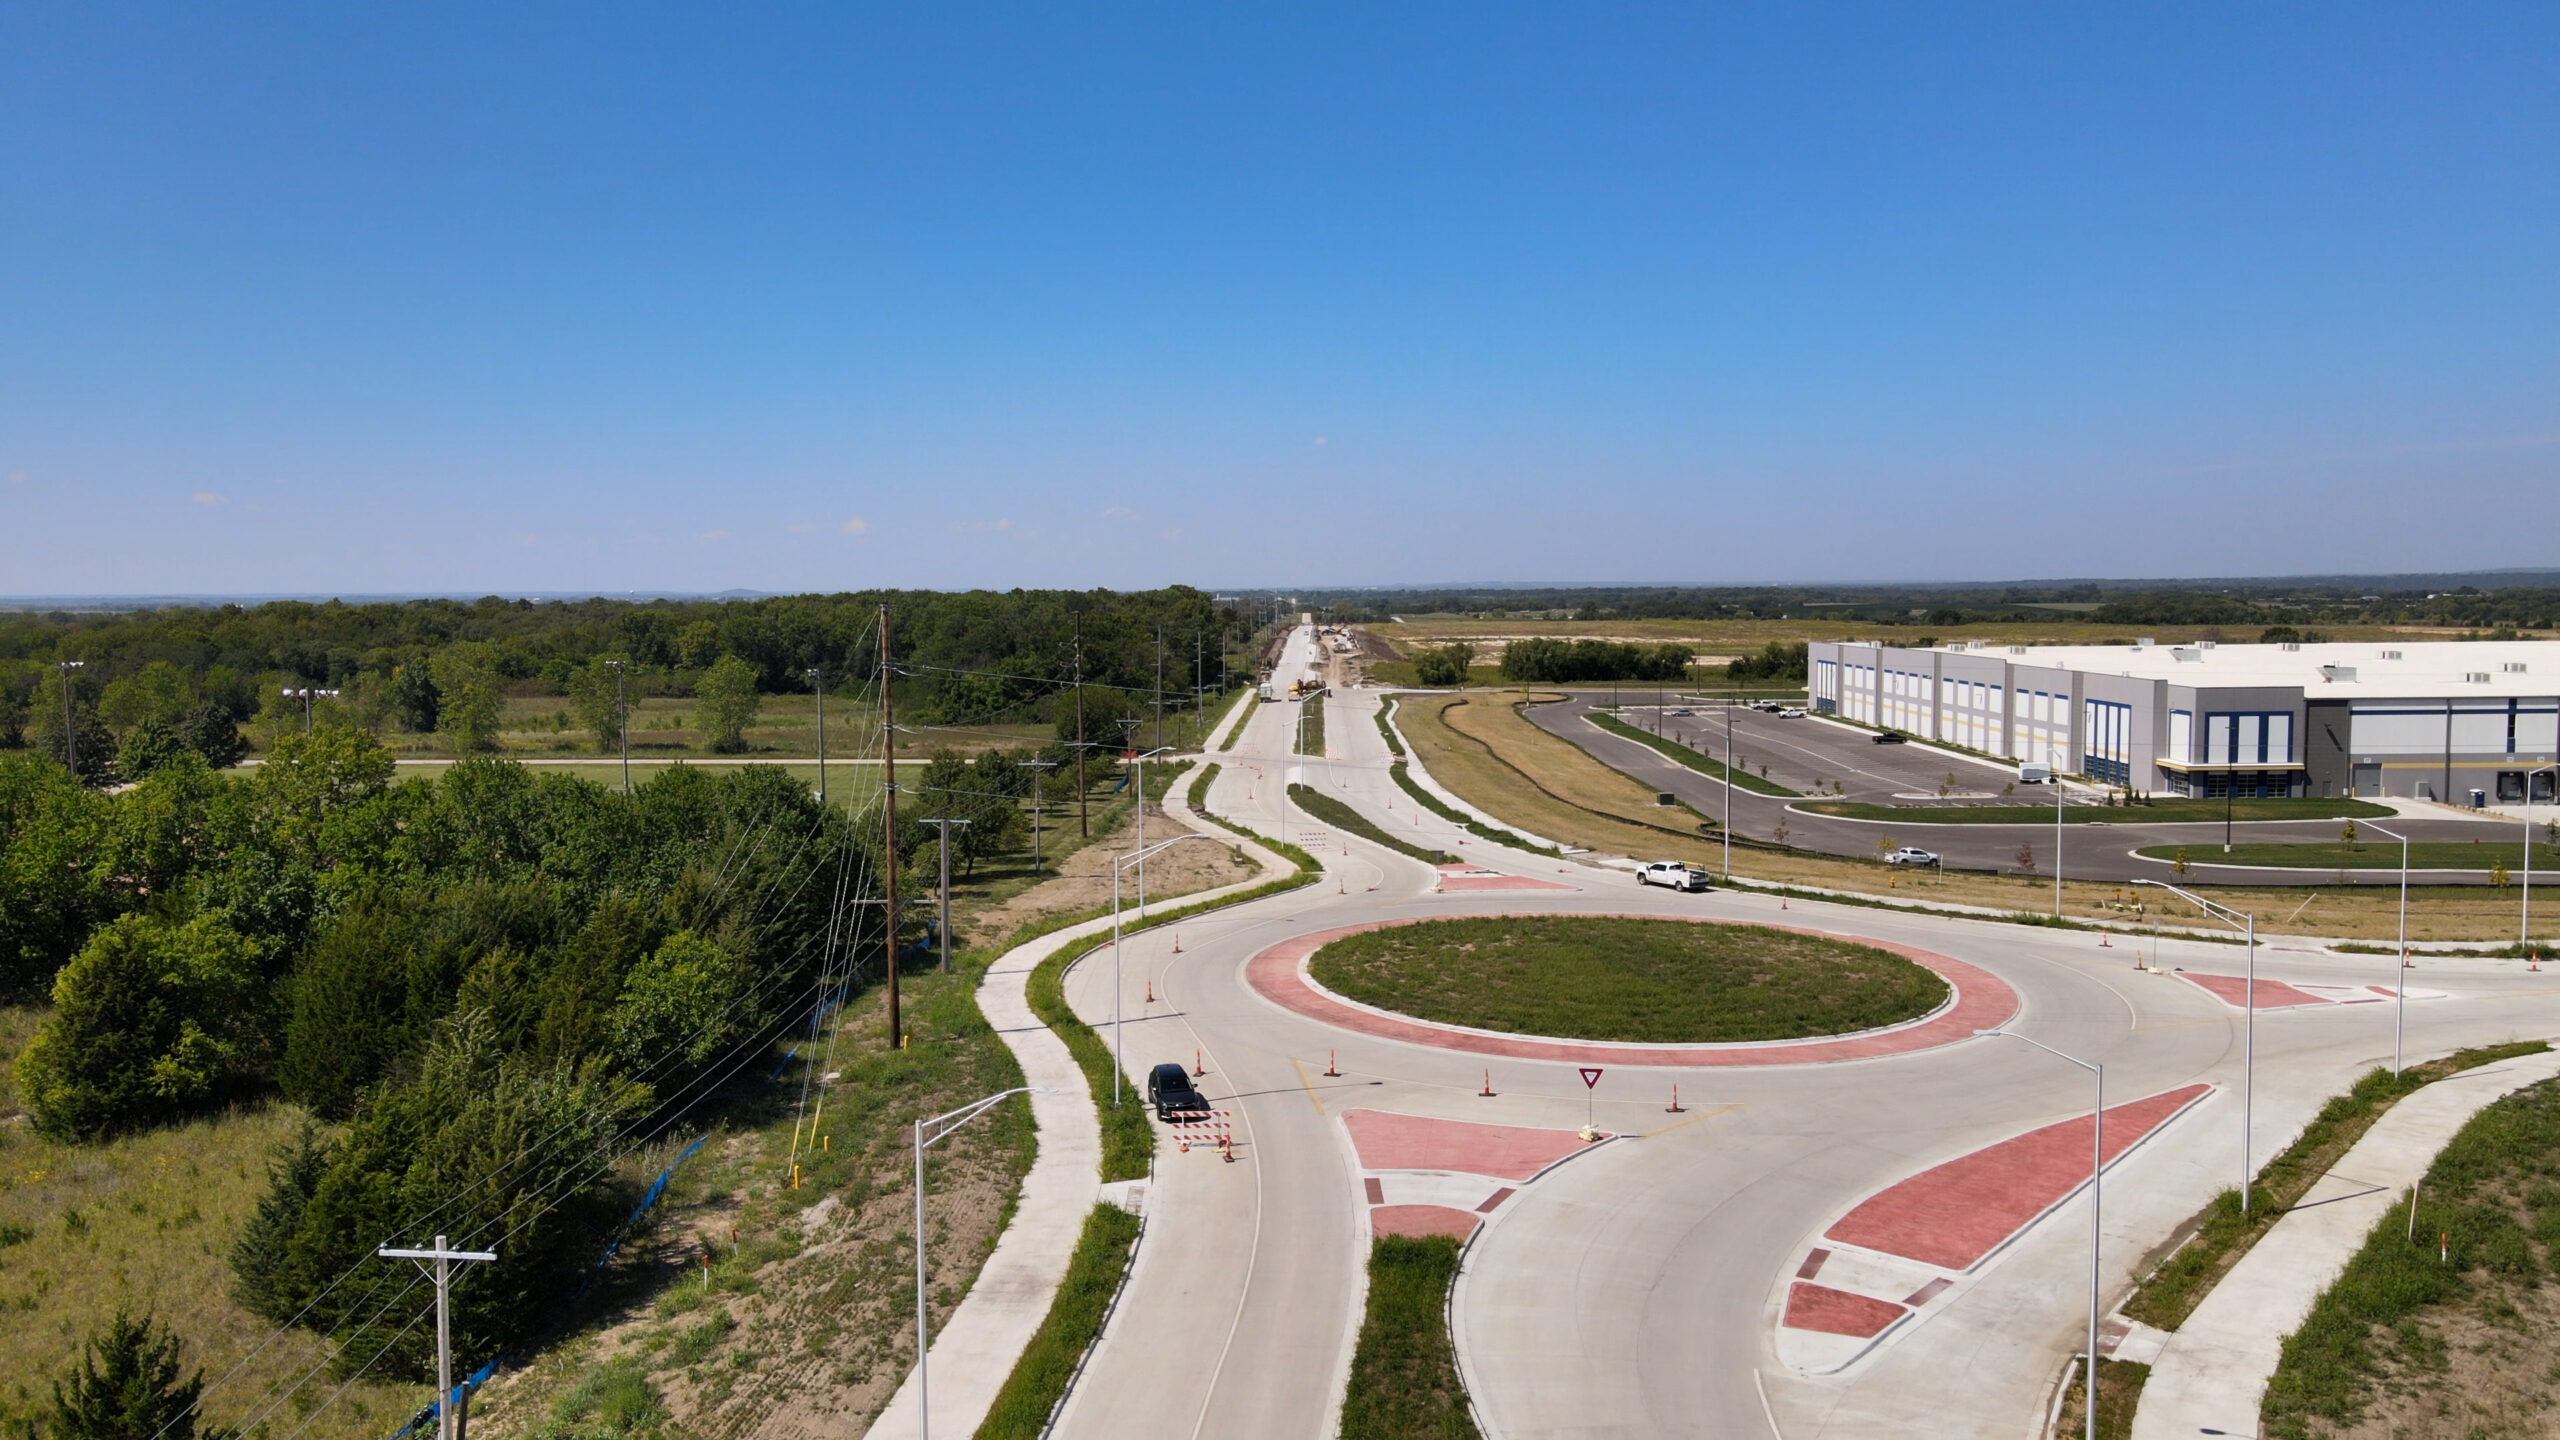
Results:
x,y
1881,998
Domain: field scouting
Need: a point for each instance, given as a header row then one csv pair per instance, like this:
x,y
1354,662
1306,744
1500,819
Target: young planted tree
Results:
x,y
598,697
469,697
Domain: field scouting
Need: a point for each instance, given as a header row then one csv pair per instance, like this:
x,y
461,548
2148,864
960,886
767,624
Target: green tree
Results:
x,y
598,697
2347,833
152,1021
727,699
484,1146
415,701
261,1259
89,738
469,697
685,1000
53,831
159,691
1444,664
126,1386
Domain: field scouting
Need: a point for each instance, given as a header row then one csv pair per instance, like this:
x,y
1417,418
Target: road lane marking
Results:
x,y
1692,1120
1308,1083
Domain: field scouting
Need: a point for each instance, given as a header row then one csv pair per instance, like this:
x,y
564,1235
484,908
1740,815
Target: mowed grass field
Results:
x,y
1480,747
1621,978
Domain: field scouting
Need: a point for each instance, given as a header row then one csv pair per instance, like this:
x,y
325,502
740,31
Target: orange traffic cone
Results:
x,y
1487,1091
1329,1071
1196,1067
1674,1107
1151,992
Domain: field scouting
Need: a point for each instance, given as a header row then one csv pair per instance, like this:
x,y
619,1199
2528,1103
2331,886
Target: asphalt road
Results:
x,y
1804,752
1634,1291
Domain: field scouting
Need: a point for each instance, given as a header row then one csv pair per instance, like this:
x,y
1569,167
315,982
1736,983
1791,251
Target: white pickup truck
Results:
x,y
1671,873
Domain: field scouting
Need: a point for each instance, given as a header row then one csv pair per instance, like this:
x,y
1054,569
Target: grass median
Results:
x,y
2155,812
1627,979
1706,765
1404,1382
1342,817
2443,1323
1040,1377
2338,855
2171,1293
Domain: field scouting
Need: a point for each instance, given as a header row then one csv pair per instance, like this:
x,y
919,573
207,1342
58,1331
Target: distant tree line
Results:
x,y
1568,662
153,683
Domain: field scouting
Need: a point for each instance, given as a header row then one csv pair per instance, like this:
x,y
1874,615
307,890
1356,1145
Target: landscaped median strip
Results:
x,y
1048,1362
1342,817
1706,765
1404,1372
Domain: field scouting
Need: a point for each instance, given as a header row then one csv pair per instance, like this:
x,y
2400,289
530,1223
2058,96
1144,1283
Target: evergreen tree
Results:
x,y
126,1386
265,1281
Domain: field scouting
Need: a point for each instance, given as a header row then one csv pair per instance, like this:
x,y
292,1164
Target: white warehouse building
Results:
x,y
2433,720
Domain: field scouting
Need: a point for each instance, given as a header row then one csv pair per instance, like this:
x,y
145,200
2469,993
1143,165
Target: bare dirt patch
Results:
x,y
1083,882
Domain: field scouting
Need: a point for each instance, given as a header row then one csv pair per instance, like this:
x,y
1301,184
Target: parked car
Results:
x,y
1890,737
1673,874
1684,712
1907,855
1767,705
1789,712
2032,773
1169,1089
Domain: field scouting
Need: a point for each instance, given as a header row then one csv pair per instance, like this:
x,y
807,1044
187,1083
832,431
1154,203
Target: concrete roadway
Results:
x,y
1634,1291
1799,752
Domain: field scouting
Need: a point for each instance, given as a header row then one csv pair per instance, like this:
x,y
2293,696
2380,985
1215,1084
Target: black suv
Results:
x,y
1169,1089
1890,737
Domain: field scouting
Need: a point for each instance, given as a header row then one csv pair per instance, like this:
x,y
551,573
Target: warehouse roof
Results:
x,y
2365,670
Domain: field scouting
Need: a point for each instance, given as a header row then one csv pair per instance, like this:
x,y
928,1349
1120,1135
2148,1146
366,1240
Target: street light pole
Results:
x,y
2524,923
817,685
2097,1172
306,695
2400,962
944,824
1039,782
449,1410
2055,756
70,737
1728,789
621,724
1118,866
2216,910
941,1125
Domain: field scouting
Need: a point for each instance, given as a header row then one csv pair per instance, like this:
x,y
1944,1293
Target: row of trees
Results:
x,y
1569,662
967,656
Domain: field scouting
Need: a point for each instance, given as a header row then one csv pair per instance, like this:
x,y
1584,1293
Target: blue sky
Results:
x,y
377,298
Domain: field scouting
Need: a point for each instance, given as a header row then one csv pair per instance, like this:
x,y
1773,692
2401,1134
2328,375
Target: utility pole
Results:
x,y
449,1407
621,724
1084,818
944,824
1159,740
889,823
1039,782
1200,688
819,686
70,740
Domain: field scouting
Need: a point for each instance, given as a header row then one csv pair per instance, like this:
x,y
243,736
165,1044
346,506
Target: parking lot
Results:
x,y
1811,754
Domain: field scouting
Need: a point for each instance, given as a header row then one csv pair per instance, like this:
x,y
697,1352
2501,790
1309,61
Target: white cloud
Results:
x,y
801,527
857,526
207,497
712,536
984,525
1119,512
17,477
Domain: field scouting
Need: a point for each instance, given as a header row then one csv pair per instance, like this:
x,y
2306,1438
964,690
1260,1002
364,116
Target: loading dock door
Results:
x,y
2367,782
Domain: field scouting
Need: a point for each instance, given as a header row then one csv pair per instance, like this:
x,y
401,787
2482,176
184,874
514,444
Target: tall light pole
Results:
x,y
940,1126
2236,919
1039,782
1728,789
817,686
1117,867
2524,923
944,824
449,1407
2097,1172
2056,759
2400,961
621,724
70,738
306,695
1143,758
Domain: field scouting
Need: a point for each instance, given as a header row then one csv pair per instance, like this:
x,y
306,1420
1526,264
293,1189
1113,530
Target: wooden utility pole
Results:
x,y
889,823
1084,820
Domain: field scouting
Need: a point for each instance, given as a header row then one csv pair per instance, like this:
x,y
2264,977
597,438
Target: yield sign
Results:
x,y
1590,1077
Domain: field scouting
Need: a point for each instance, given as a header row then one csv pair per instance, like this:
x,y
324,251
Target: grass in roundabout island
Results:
x,y
2369,855
1625,978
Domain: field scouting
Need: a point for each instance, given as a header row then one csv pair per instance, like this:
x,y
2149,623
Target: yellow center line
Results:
x,y
1309,1084
1692,1120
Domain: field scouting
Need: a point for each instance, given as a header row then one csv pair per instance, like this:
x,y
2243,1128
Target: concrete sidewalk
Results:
x,y
976,1349
2214,1369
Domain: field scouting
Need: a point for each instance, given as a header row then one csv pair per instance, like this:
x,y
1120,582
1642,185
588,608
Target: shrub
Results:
x,y
152,1021
1444,665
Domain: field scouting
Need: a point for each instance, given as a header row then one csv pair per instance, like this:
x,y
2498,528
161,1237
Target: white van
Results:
x,y
2031,772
